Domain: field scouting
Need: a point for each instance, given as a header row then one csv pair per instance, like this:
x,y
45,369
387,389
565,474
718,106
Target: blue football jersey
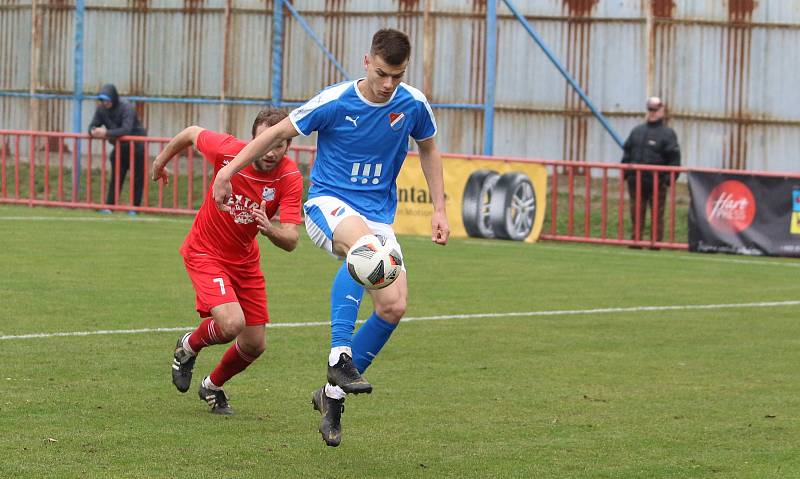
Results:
x,y
362,145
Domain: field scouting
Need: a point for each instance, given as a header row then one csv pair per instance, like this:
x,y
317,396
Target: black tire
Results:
x,y
513,207
475,203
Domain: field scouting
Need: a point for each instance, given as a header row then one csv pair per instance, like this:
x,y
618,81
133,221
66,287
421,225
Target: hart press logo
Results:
x,y
731,207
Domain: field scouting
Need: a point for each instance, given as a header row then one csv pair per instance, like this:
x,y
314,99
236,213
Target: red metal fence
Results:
x,y
587,202
75,170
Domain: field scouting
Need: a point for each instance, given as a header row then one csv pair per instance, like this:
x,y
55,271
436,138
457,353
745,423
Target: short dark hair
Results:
x,y
269,117
391,45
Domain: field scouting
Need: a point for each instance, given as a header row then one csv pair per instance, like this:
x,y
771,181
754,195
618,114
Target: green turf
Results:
x,y
684,393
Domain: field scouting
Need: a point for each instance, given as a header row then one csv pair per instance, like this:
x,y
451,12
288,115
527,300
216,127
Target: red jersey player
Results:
x,y
222,257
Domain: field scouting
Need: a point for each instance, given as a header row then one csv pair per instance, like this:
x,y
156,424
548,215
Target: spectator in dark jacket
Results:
x,y
650,143
112,119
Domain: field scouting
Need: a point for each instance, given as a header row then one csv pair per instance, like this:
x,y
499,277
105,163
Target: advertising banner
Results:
x,y
744,214
484,198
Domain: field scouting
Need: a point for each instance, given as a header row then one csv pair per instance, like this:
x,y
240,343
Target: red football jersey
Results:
x,y
231,235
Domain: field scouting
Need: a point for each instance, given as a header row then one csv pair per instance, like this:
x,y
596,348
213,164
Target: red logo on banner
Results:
x,y
731,207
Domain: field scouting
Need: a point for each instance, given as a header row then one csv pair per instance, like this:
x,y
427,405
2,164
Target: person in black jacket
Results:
x,y
112,119
650,143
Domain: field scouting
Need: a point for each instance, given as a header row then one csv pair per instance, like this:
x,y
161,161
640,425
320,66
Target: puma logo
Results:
x,y
354,120
357,301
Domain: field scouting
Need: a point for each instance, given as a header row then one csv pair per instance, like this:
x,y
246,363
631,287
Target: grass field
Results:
x,y
545,360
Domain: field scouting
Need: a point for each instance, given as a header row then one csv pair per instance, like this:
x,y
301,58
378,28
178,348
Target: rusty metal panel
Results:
x,y
358,6
249,72
182,60
459,63
17,113
758,11
304,63
525,76
163,119
774,69
706,144
725,67
14,113
603,57
49,115
576,8
543,135
252,5
306,70
775,148
15,46
187,6
56,57
347,33
241,120
460,131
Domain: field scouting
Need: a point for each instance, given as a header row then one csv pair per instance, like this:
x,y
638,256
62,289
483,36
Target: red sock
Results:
x,y
206,334
232,363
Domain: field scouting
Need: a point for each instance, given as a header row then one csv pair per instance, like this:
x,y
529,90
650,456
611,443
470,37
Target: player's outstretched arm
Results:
x,y
283,235
181,141
431,162
266,141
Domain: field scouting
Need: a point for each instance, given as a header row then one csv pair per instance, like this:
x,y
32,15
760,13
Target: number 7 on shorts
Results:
x,y
221,285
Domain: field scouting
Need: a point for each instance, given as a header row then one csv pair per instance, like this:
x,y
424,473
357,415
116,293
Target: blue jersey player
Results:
x,y
362,129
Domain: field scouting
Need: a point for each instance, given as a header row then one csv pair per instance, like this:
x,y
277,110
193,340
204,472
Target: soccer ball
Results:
x,y
373,261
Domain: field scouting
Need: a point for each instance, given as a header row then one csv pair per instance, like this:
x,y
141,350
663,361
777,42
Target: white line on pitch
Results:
x,y
564,312
137,219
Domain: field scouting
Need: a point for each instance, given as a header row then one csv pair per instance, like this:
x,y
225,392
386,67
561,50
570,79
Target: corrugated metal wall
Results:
x,y
723,67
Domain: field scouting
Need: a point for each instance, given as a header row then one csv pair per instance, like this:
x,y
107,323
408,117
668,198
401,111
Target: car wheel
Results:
x,y
475,203
513,207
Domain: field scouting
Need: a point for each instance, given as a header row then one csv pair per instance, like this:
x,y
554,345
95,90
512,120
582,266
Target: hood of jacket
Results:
x,y
110,91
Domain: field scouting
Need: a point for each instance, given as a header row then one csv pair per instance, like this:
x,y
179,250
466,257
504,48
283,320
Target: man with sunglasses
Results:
x,y
650,143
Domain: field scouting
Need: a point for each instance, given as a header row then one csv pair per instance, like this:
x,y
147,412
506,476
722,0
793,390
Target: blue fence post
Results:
x,y
539,41
77,96
277,53
491,63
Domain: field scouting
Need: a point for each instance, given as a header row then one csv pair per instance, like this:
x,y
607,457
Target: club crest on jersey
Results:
x,y
268,194
396,120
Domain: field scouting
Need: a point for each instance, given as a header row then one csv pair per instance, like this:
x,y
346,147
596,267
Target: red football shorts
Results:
x,y
216,282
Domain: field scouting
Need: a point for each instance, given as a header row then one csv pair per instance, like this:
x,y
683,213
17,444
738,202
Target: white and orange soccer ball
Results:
x,y
374,261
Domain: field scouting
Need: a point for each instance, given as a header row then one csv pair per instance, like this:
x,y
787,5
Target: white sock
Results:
x,y
333,358
185,344
209,385
334,392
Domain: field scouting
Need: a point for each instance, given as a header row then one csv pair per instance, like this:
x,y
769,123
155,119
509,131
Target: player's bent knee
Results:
x,y
231,326
391,311
347,233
